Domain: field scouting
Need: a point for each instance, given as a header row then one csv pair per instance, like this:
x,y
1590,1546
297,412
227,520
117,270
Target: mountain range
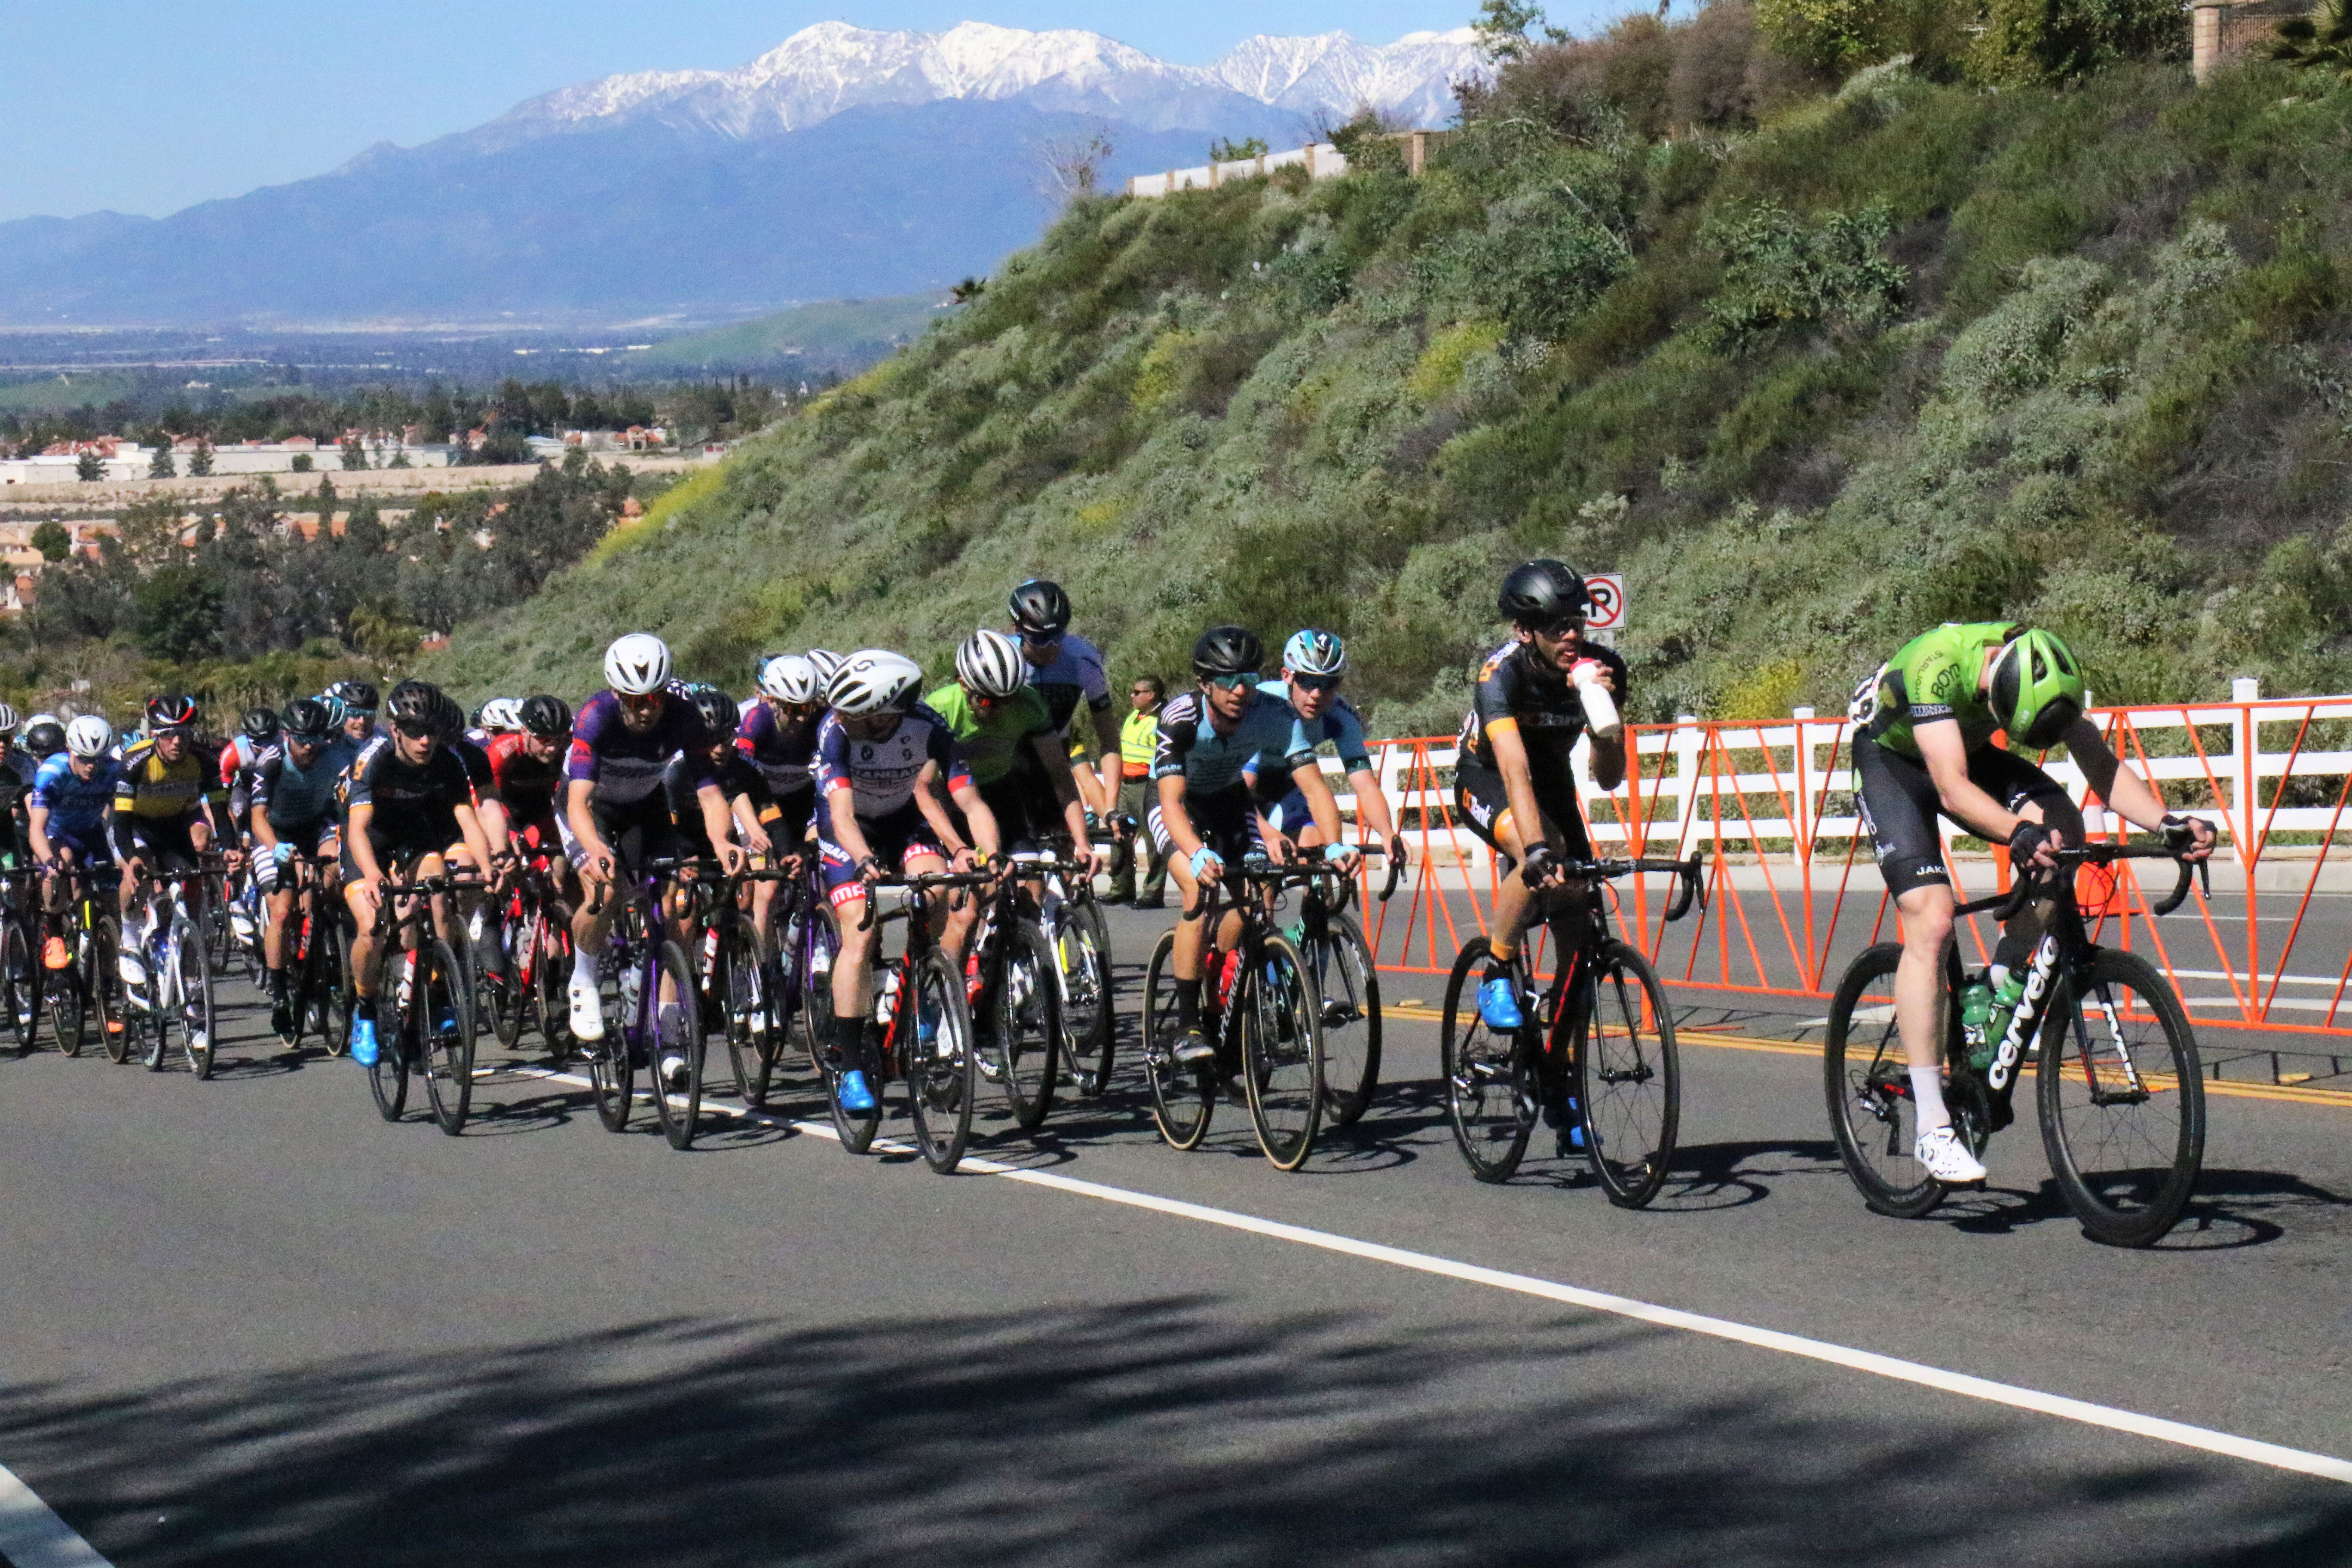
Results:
x,y
843,162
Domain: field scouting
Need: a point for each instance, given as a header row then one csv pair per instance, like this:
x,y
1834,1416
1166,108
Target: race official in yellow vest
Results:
x,y
1138,738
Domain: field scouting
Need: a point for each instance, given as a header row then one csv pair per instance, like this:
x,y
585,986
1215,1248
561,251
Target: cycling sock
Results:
x,y
1500,969
1927,1094
276,985
584,966
1498,959
1188,1003
849,1039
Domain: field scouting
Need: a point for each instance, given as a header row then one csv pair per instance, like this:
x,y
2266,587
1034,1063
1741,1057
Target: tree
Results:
x,y
160,466
90,467
302,463
326,492
1222,150
2024,42
1074,165
381,628
1502,28
200,461
175,614
354,454
52,541
2321,41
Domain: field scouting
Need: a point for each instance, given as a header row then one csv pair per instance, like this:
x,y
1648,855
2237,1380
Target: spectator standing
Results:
x,y
1138,738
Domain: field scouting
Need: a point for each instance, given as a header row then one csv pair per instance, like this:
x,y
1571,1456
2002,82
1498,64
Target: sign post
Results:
x,y
1606,619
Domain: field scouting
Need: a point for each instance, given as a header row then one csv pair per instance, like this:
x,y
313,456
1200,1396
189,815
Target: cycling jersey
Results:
x,y
880,774
75,804
18,770
1518,691
414,804
624,764
1340,726
291,796
1191,748
782,746
525,784
993,743
481,779
149,787
1934,676
238,760
737,779
1075,670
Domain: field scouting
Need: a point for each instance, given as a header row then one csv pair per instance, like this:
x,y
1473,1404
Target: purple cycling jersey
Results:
x,y
783,749
624,764
881,775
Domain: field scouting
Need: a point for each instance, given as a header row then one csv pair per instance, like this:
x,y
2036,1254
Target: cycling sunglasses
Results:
x,y
1232,682
639,702
1317,683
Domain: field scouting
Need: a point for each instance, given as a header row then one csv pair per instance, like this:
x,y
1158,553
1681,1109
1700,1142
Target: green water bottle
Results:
x,y
1976,1023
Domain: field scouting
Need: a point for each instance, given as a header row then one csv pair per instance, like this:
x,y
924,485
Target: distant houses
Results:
x,y
65,462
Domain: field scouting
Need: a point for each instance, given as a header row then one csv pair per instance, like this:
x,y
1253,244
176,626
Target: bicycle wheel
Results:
x,y
1087,1000
1183,1099
675,1070
1628,1078
69,992
1490,1096
97,992
442,1016
388,1078
1028,1024
942,1068
551,972
742,989
1282,1051
1350,985
816,992
20,984
192,994
333,994
1868,1082
2122,1099
507,1003
611,1077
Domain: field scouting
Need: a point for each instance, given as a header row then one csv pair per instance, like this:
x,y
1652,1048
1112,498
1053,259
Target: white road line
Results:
x,y
2324,1466
33,1536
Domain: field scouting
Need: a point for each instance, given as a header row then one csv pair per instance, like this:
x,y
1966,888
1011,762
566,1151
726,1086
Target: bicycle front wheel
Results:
x,y
1183,1097
507,1003
443,1024
742,985
1089,1014
2122,1099
1028,1024
1350,986
69,994
1489,1076
1628,1079
942,1067
677,1048
388,1078
1282,1051
1868,1082
97,995
331,983
192,994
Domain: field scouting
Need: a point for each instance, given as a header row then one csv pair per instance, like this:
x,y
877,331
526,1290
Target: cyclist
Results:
x,y
1204,816
527,768
1313,664
69,815
1922,744
44,737
256,732
407,801
778,737
478,904
17,770
749,805
295,812
168,809
882,759
356,701
1010,747
1514,783
614,813
1065,668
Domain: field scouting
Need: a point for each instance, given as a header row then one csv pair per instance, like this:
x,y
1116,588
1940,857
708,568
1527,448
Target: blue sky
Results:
x,y
151,106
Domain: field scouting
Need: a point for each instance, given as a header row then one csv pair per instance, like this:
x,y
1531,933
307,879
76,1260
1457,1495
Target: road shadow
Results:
x,y
1176,1431
1706,1177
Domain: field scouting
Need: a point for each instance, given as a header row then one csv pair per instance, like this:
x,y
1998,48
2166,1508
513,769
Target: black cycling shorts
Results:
x,y
638,831
1026,811
1481,799
1899,806
393,854
163,842
1226,821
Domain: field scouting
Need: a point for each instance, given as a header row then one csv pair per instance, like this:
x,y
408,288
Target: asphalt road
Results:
x,y
247,1322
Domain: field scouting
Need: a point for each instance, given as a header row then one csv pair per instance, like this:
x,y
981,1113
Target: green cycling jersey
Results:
x,y
991,742
1933,676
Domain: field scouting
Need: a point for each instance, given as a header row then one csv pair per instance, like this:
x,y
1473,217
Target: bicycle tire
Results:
x,y
508,1003
1490,1098
1628,1079
70,991
676,1029
816,991
612,1076
20,984
1870,1101
1027,1005
102,1003
1350,985
551,1000
2079,1132
192,996
388,1078
742,989
335,989
441,1022
1089,997
1282,1050
942,1074
1183,1099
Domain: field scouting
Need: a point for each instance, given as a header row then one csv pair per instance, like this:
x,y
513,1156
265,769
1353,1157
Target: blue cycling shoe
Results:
x,y
852,1093
364,1041
1498,1004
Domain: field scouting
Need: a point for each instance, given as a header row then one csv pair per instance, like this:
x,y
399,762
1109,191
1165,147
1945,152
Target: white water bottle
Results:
x,y
1600,708
885,1005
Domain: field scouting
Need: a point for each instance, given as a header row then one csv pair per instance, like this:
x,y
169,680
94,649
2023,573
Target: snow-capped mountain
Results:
x,y
822,71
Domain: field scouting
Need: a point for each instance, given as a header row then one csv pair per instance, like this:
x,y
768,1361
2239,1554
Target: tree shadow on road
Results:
x,y
1171,1431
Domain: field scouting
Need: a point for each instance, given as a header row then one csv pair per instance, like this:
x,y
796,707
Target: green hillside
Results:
x,y
839,334
1819,368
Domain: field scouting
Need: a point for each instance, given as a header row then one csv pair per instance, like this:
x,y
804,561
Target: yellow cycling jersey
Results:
x,y
151,787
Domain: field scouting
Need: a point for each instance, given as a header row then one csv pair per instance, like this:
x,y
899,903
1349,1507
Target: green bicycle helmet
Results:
x,y
2036,689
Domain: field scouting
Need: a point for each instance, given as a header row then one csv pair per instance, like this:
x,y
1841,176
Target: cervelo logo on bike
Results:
x,y
2029,1009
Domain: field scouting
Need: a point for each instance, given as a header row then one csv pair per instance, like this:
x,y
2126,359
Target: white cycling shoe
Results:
x,y
587,1011
1946,1158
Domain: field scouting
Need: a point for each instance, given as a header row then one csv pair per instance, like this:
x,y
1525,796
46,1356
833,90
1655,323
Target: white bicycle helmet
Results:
x,y
1314,653
502,715
637,664
874,680
8,720
989,664
89,736
789,678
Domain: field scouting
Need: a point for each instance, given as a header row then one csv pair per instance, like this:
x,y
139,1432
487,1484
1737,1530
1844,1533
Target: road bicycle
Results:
x,y
1594,1053
20,956
177,995
535,938
426,1025
1348,980
797,970
2114,1059
88,989
1013,983
316,954
654,1017
1072,919
1260,1009
733,973
919,1033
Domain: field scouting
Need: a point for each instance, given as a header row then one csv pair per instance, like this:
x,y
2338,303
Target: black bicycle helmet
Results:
x,y
415,707
718,709
259,725
172,712
1542,594
1227,650
1040,608
547,716
46,739
450,721
356,696
308,720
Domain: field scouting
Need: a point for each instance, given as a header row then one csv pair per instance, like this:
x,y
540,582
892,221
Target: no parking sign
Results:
x,y
1606,616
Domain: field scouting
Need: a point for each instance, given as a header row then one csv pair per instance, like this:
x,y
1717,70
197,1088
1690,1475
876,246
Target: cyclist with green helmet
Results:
x,y
1922,745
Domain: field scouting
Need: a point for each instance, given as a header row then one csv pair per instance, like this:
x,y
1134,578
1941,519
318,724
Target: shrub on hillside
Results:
x,y
1780,273
2026,41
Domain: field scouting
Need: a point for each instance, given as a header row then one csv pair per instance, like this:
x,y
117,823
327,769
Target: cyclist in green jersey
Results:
x,y
1005,731
1922,745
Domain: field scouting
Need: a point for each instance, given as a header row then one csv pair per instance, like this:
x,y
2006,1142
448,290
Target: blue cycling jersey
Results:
x,y
75,804
1340,725
293,797
1189,745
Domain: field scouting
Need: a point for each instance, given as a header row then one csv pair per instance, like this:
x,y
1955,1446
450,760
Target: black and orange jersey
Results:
x,y
1517,689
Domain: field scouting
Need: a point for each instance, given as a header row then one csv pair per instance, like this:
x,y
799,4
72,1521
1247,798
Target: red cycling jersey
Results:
x,y
523,781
